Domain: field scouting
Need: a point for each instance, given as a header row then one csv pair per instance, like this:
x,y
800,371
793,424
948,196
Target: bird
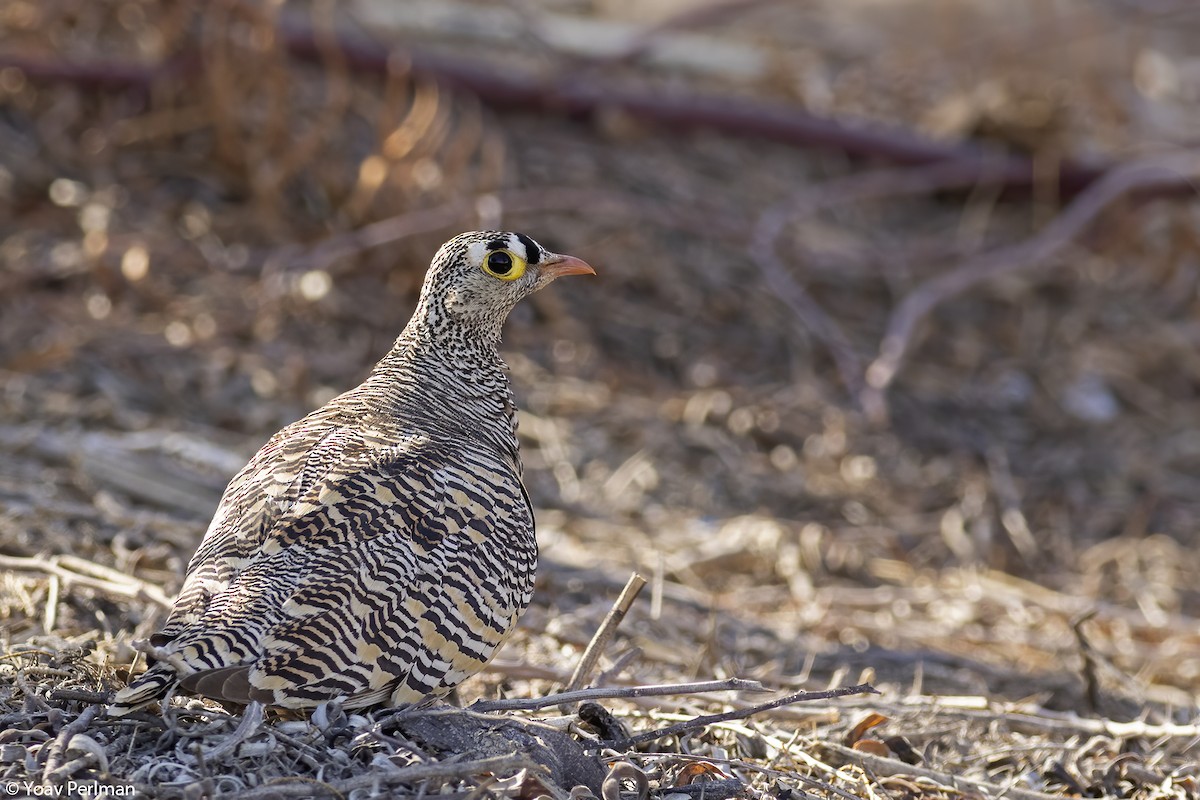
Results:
x,y
381,549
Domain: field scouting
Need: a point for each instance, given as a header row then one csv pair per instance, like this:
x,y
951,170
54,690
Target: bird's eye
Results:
x,y
500,263
503,264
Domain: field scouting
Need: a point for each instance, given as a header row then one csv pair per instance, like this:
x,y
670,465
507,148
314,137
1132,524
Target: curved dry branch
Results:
x,y
1146,177
605,692
854,189
711,719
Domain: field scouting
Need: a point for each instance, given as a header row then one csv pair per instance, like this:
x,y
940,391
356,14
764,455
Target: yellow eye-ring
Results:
x,y
504,264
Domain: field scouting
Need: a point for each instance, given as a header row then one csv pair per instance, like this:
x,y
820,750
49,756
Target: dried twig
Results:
x,y
602,692
807,311
80,695
462,770
1088,669
377,779
741,713
58,748
881,765
1012,517
293,787
1147,177
113,583
1070,722
858,188
252,720
501,87
50,617
582,42
591,654
1041,720
105,74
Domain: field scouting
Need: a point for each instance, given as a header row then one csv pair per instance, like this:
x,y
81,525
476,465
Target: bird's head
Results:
x,y
477,278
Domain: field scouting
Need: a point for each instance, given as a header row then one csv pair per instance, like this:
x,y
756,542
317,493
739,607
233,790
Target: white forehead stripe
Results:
x,y
476,252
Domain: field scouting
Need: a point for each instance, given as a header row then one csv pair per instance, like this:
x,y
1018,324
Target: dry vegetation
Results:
x,y
212,221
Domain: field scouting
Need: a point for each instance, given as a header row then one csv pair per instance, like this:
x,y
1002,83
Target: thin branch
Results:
x,y
595,649
604,692
1091,678
874,185
117,584
57,749
1039,721
462,770
503,87
379,779
881,765
741,713
806,310
50,616
721,789
80,696
1144,178
506,88
108,74
252,720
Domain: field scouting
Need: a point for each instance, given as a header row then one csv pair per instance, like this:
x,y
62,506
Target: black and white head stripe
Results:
x,y
533,253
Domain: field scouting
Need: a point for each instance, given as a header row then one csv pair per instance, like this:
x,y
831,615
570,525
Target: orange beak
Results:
x,y
557,266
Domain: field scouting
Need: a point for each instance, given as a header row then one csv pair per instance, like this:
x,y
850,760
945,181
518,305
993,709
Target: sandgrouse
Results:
x,y
382,548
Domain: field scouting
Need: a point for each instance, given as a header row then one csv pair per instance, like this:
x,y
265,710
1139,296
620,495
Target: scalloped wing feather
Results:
x,y
400,578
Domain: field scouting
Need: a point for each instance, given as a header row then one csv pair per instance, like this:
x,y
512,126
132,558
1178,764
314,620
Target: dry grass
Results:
x,y
1011,561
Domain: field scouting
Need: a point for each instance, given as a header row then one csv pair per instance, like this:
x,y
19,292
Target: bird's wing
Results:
x,y
400,577
280,474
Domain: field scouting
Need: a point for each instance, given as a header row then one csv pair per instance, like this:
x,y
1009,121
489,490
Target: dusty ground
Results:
x,y
1010,559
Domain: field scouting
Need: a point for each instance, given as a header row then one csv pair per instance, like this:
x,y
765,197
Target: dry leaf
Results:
x,y
872,746
696,771
870,721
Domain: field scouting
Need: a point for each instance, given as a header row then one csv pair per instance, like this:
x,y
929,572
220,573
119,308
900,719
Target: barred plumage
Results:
x,y
381,548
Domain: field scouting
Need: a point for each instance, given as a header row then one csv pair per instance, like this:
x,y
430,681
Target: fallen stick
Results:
x,y
568,94
857,188
709,719
605,692
1147,177
379,779
604,634
57,749
252,720
884,766
126,586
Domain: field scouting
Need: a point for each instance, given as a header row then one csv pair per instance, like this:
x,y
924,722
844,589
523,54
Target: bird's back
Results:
x,y
368,551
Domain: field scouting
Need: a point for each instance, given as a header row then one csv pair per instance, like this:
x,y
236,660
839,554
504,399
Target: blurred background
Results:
x,y
889,371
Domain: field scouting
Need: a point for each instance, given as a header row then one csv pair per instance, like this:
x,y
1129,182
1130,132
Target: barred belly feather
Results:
x,y
382,548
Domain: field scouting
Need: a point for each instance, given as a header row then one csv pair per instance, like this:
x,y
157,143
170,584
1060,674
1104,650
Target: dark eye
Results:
x,y
500,262
504,265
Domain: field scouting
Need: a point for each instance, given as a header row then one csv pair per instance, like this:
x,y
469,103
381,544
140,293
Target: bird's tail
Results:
x,y
148,687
